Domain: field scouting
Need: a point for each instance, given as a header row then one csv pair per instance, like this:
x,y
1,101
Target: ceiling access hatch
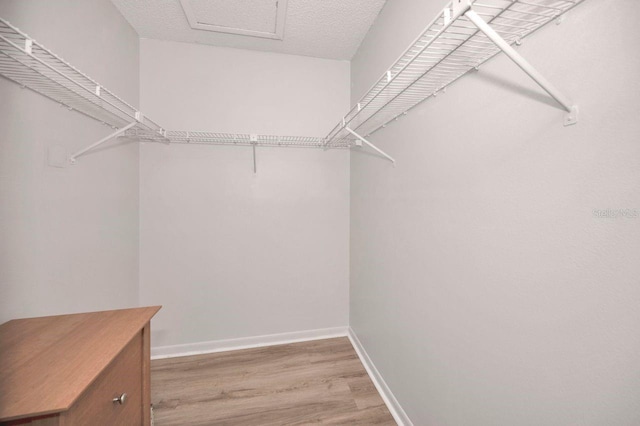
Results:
x,y
254,18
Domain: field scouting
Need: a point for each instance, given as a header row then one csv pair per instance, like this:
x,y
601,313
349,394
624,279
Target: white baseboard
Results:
x,y
199,348
385,392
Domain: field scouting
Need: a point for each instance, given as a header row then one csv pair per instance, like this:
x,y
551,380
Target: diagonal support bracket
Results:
x,y
75,155
372,146
572,110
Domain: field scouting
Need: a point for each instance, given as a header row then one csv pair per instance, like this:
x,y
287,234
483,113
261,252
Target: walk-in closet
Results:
x,y
293,212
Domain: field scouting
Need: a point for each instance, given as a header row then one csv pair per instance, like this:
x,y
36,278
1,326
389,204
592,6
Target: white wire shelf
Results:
x,y
211,138
462,37
31,65
451,46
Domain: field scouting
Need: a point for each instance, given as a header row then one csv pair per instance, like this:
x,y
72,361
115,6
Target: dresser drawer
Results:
x,y
123,375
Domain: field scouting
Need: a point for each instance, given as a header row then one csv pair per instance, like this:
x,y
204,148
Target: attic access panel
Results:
x,y
255,18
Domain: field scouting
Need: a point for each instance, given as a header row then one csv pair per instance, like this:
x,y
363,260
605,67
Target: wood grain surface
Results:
x,y
146,374
320,381
124,375
48,362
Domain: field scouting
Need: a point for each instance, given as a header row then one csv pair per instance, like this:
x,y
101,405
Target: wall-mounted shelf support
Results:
x,y
572,110
254,141
370,145
74,156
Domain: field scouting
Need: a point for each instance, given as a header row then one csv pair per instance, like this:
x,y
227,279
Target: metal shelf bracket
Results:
x,y
571,117
253,138
370,145
73,157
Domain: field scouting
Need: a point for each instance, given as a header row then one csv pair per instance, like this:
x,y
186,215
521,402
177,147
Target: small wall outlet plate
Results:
x,y
57,156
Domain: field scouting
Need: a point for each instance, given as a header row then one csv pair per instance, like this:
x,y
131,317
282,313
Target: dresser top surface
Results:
x,y
48,362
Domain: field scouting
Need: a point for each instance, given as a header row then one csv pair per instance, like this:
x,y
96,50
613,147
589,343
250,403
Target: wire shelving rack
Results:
x,y
239,139
31,65
451,46
464,35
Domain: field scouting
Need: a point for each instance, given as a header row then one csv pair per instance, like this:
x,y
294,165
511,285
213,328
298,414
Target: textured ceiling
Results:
x,y
330,29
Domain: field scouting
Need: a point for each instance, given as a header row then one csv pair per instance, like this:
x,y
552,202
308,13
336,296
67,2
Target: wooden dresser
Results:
x,y
79,369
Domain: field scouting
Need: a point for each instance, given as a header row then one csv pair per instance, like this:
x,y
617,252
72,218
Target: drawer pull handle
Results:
x,y
121,399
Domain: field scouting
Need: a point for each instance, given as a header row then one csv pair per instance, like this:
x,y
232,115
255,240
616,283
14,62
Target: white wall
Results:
x,y
228,253
482,285
68,237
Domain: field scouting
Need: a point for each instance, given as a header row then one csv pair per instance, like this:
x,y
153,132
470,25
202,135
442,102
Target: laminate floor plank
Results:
x,y
320,382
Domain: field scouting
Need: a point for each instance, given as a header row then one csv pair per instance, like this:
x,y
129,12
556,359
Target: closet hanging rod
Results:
x,y
451,46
